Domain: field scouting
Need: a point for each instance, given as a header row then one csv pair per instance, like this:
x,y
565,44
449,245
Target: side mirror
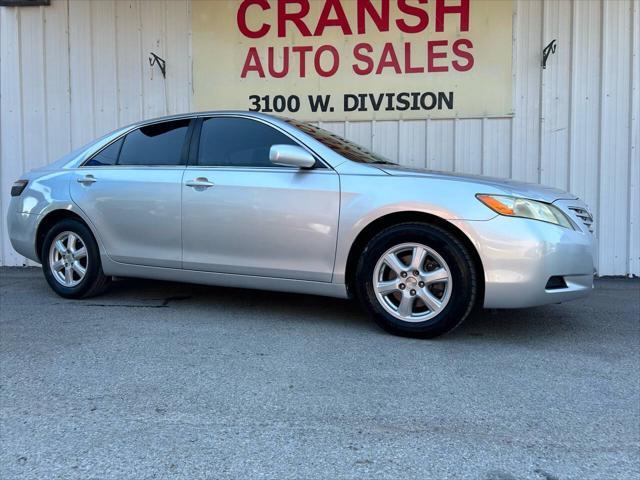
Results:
x,y
291,156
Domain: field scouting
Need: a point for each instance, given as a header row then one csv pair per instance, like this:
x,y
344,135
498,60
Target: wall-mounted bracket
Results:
x,y
546,51
153,59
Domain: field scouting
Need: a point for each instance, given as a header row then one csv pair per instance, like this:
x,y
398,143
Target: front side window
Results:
x,y
238,142
157,144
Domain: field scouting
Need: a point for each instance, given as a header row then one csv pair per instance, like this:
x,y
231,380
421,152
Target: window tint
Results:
x,y
106,156
238,142
157,144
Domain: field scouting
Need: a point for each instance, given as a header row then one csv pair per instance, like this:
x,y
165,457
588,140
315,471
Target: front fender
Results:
x,y
367,199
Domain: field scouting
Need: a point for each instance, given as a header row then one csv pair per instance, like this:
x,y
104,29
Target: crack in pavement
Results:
x,y
165,303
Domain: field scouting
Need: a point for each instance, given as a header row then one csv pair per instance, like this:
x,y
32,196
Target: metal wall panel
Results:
x,y
56,82
555,101
82,119
77,69
496,147
527,50
615,130
412,143
130,60
441,144
584,154
468,146
11,125
634,149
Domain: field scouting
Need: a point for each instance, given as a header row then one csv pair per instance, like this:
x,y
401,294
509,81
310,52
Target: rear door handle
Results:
x,y
202,182
87,180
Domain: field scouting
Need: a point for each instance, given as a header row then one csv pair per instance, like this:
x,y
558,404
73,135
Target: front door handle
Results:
x,y
87,180
202,182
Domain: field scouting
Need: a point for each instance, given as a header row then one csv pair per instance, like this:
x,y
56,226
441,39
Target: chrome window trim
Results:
x,y
276,169
129,167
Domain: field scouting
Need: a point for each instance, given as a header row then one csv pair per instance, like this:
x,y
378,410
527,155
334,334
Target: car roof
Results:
x,y
207,113
328,156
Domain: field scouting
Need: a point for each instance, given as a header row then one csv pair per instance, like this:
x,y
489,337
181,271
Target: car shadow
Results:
x,y
515,325
158,294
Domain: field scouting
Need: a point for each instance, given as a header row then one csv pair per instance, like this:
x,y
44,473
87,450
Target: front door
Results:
x,y
243,215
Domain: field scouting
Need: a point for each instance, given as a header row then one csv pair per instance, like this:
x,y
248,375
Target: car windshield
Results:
x,y
340,145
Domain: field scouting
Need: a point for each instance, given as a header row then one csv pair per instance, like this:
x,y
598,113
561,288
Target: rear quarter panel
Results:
x,y
46,192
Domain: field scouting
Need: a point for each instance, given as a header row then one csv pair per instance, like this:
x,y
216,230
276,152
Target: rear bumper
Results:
x,y
22,228
519,256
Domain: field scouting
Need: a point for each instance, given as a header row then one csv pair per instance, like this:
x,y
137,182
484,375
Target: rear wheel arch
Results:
x,y
51,219
389,220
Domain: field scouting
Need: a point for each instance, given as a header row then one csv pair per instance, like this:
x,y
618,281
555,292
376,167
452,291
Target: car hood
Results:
x,y
509,187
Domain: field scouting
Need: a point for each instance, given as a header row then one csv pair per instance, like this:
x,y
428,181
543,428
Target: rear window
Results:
x,y
107,156
157,144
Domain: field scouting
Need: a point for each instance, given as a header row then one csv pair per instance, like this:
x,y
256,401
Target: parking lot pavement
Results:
x,y
161,380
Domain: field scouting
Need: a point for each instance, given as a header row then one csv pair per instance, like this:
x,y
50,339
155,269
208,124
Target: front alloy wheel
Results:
x,y
417,280
412,282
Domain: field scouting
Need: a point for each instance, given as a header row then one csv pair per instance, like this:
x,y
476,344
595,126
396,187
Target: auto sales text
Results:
x,y
410,17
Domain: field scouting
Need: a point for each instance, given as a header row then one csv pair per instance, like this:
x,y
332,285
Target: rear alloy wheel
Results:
x,y
68,259
416,280
71,260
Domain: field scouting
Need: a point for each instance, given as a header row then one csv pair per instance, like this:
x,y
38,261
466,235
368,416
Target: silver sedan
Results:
x,y
253,201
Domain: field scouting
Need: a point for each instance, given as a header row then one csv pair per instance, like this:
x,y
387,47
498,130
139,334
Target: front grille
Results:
x,y
585,217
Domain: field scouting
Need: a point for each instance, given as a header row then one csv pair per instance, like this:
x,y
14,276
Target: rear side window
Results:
x,y
106,156
157,144
238,142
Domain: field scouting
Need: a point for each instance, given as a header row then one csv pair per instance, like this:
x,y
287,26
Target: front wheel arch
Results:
x,y
389,220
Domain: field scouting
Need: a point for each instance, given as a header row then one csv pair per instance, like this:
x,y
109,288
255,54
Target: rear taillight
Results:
x,y
17,187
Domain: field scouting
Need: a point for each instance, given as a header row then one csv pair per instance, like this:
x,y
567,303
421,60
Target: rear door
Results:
x,y
131,192
241,214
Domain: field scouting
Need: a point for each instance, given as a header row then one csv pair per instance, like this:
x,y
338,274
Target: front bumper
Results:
x,y
520,255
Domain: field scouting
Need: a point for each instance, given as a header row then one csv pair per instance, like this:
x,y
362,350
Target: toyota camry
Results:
x,y
253,201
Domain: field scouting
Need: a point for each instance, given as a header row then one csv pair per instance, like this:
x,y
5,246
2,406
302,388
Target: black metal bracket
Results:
x,y
153,59
24,3
546,51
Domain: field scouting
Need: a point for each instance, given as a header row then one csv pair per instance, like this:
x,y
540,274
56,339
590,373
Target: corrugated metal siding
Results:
x,y
76,69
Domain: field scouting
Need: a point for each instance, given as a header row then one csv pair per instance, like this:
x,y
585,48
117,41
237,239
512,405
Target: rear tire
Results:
x,y
416,280
71,261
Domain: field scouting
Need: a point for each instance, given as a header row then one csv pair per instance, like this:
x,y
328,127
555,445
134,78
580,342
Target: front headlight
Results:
x,y
525,208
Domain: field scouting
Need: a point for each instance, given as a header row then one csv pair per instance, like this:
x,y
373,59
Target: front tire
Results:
x,y
71,260
416,280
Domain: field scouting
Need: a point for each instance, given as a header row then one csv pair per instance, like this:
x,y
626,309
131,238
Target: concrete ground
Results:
x,y
165,381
